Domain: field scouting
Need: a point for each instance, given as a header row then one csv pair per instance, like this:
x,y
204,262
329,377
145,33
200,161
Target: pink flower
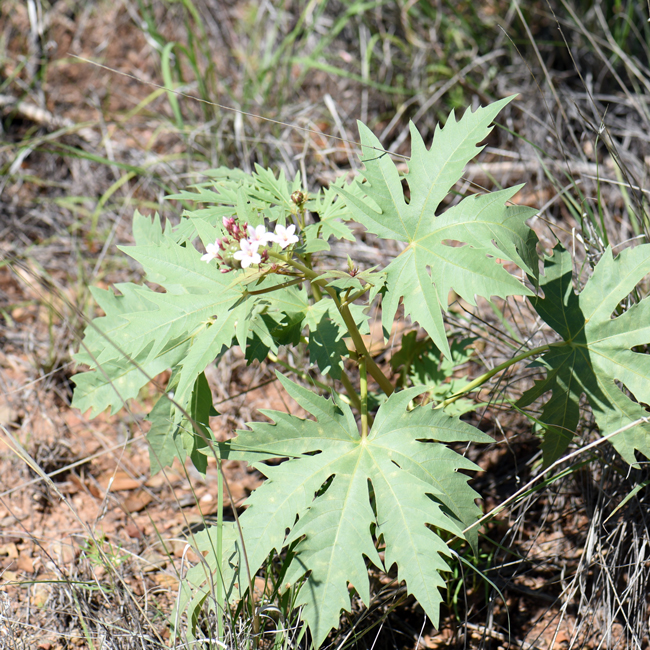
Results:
x,y
248,254
259,235
284,236
212,252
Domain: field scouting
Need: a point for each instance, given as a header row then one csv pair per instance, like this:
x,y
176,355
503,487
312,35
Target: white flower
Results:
x,y
284,236
248,254
213,251
259,235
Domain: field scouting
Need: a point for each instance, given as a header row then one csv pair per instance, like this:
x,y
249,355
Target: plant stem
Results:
x,y
355,335
308,272
488,375
315,289
220,581
363,389
286,258
353,398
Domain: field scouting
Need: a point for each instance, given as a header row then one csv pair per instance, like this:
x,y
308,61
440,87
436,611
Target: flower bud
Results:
x,y
298,198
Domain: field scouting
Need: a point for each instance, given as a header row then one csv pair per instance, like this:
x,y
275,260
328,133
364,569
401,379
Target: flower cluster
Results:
x,y
243,243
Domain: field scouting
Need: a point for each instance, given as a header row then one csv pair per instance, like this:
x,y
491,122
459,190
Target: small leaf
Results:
x,y
169,438
312,243
273,190
332,211
200,410
327,348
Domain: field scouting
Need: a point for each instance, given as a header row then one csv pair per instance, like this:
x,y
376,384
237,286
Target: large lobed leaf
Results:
x,y
432,264
339,496
596,356
145,332
187,326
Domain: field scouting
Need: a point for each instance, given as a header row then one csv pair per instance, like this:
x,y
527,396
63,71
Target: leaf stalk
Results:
x,y
349,389
363,390
355,296
479,381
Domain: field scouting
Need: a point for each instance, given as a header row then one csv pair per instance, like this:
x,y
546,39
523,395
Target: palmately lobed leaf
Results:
x,y
322,495
145,332
596,355
433,263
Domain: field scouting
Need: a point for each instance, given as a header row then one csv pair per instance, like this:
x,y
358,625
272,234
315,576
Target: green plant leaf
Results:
x,y
260,340
168,438
145,231
595,357
251,196
332,211
272,190
333,483
313,243
327,348
115,381
314,314
206,345
200,410
432,264
145,332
